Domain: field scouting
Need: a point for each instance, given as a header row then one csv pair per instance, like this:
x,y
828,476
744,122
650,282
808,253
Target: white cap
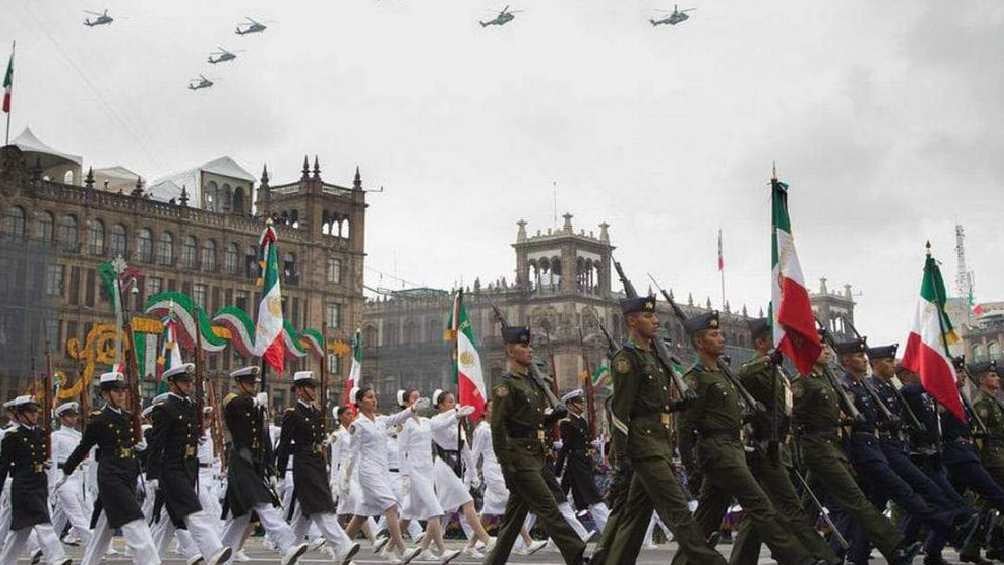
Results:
x,y
400,396
111,377
352,394
66,407
571,395
435,396
183,369
252,371
23,400
303,376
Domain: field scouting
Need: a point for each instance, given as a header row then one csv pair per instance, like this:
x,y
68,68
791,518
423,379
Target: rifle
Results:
x,y
968,405
322,403
822,510
200,386
48,403
612,347
129,361
846,404
590,401
667,359
215,426
543,381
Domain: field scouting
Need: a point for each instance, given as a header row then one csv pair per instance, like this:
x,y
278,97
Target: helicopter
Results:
x,y
674,18
250,27
200,83
101,19
504,17
221,56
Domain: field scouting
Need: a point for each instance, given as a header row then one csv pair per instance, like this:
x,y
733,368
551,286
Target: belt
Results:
x,y
724,434
60,465
205,465
394,470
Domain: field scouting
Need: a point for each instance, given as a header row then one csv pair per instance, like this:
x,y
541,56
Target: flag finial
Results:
x,y
773,170
928,246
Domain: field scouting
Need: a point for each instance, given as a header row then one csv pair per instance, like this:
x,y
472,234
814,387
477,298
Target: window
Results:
x,y
295,315
43,226
117,242
95,237
68,233
165,249
211,196
334,270
208,258
74,299
90,283
52,334
241,300
333,315
289,268
189,249
13,222
226,196
250,263
334,364
154,285
199,295
230,259
54,280
239,200
144,245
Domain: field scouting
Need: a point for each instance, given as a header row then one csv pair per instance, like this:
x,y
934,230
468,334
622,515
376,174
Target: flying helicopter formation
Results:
x,y
200,83
676,17
250,26
505,16
101,19
222,56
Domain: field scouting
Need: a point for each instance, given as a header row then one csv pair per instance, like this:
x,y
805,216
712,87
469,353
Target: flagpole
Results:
x,y
10,108
721,264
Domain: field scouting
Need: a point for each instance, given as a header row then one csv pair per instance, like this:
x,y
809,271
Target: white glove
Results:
x,y
280,484
475,482
464,411
141,445
261,399
152,484
274,483
421,404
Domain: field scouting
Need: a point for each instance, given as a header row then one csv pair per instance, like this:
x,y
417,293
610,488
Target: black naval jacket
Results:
x,y
575,460
22,454
118,465
303,436
250,456
173,446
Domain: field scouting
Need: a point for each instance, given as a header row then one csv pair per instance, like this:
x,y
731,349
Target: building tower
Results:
x,y
963,276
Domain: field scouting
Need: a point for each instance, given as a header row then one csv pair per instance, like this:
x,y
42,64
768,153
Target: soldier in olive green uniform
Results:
x,y
642,437
518,422
716,420
991,412
818,419
770,461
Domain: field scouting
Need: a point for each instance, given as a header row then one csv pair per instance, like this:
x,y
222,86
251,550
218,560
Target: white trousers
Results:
x,y
210,500
70,508
600,514
327,524
567,513
15,542
163,531
137,537
656,521
199,537
271,519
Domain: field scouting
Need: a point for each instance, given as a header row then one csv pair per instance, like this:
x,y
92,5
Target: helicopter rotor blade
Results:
x,y
688,10
93,13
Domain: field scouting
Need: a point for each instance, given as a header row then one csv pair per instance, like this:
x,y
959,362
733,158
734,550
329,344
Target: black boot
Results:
x,y
905,553
974,558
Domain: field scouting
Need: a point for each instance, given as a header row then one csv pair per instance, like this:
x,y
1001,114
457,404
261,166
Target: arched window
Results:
x,y
334,270
390,337
251,267
211,197
370,337
68,232
13,222
68,177
289,268
95,237
144,245
165,249
226,197
43,226
239,200
117,242
435,329
230,259
189,249
208,259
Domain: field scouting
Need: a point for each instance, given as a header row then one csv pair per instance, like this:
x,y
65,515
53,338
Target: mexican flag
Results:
x,y
356,371
927,347
470,383
601,376
791,312
8,84
269,342
146,354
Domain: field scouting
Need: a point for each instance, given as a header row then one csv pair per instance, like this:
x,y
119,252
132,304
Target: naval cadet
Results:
x,y
575,460
70,500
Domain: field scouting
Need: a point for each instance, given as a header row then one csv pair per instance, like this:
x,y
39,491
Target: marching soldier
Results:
x,y
716,420
990,412
173,464
642,439
518,423
22,454
770,461
248,489
575,459
819,423
70,496
118,469
303,436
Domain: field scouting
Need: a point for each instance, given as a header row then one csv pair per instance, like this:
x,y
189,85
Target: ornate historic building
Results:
x,y
563,289
195,232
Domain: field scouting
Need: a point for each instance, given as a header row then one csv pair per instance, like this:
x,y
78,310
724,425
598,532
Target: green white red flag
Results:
x,y
791,311
356,370
8,84
471,390
269,342
927,346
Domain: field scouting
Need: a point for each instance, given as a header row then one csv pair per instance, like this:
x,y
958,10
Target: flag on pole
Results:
x,y
356,370
791,312
471,389
721,255
269,342
927,346
170,352
8,84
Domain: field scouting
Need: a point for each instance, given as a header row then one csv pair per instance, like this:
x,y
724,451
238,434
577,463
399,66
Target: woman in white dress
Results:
x,y
369,453
450,488
341,452
421,502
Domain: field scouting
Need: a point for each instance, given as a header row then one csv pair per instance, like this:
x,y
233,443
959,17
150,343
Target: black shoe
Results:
x,y
714,538
904,554
975,558
995,554
964,532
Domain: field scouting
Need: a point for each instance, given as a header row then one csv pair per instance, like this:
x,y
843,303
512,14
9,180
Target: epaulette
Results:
x,y
290,409
226,399
95,412
628,345
756,362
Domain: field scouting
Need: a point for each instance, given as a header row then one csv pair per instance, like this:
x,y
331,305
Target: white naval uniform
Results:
x,y
496,494
421,502
449,487
209,471
70,498
369,455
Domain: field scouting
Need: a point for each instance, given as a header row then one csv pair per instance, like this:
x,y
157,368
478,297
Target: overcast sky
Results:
x,y
884,117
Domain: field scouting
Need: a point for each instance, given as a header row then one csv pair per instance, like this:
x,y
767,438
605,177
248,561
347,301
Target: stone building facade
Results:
x,y
203,249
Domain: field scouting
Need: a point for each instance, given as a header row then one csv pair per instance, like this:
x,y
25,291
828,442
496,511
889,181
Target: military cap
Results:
x,y
572,395
959,362
66,407
848,347
638,304
759,326
977,369
112,380
24,402
514,335
246,373
304,378
883,352
181,372
708,321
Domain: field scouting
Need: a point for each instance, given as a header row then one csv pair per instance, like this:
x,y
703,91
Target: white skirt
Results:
x,y
376,494
421,502
347,504
496,494
450,489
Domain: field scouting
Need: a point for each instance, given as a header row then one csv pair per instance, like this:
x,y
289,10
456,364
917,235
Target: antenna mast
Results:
x,y
963,276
